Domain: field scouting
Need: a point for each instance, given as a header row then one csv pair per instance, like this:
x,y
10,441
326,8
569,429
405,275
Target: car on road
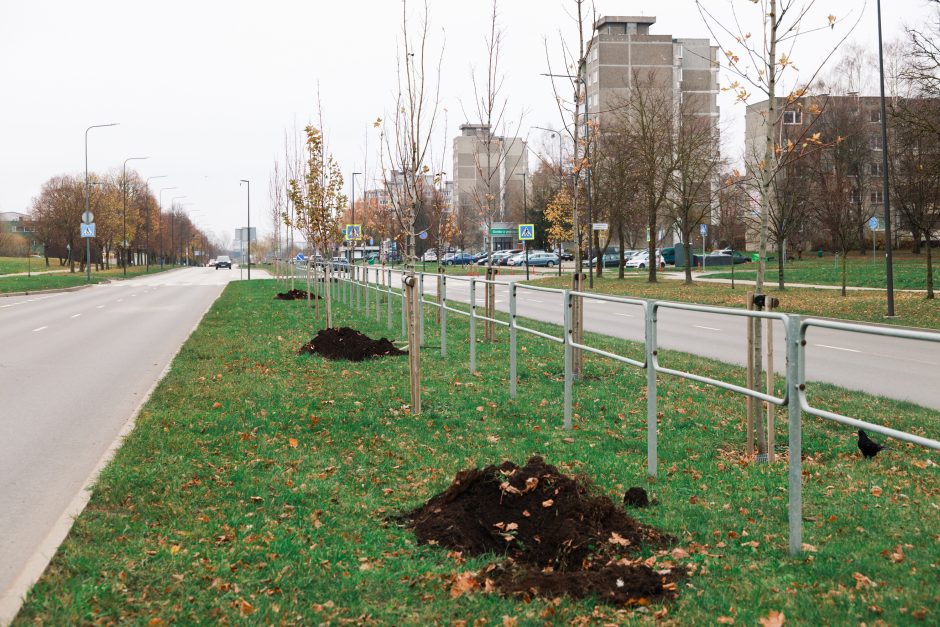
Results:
x,y
223,261
611,260
542,259
211,263
669,255
430,255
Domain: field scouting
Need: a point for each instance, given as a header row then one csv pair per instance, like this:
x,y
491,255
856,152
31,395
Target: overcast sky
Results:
x,y
208,88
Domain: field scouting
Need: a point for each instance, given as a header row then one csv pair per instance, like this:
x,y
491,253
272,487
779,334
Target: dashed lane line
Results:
x,y
39,329
837,348
698,326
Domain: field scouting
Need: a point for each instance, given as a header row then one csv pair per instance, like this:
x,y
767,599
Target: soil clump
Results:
x,y
348,344
559,534
295,295
636,497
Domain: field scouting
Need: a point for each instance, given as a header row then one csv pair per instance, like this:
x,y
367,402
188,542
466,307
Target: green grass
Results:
x,y
910,273
58,281
13,265
256,485
912,309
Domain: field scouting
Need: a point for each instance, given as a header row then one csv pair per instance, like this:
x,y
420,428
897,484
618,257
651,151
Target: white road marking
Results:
x,y
120,300
5,306
100,307
534,300
39,329
76,315
623,315
698,326
837,348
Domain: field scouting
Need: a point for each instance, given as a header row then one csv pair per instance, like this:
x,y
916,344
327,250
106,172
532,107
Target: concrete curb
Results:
x,y
57,290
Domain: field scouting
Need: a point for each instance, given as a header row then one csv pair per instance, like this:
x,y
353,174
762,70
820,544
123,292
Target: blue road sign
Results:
x,y
353,232
703,229
526,232
873,224
88,230
300,257
423,235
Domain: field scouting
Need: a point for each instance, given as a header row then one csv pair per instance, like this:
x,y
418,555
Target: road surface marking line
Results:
x,y
837,348
5,306
623,315
100,307
39,329
698,326
120,300
76,315
534,300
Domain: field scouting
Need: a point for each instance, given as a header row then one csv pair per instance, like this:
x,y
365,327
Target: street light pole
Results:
x,y
124,214
88,239
248,183
147,183
889,261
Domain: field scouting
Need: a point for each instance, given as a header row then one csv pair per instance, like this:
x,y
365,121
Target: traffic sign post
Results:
x,y
526,232
353,232
88,230
873,224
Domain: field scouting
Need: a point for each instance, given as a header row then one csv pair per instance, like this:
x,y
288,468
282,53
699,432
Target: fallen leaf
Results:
x,y
724,620
616,538
246,608
679,553
773,619
510,621
216,405
464,583
861,581
548,503
809,548
174,549
293,442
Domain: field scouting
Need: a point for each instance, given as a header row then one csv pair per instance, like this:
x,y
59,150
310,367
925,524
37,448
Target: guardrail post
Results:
x,y
443,299
569,371
367,291
652,443
358,285
473,325
378,297
420,311
795,374
512,341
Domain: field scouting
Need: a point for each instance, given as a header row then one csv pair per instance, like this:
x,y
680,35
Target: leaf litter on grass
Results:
x,y
559,535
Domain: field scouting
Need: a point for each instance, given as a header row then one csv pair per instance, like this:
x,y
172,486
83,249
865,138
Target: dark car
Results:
x,y
725,257
223,262
611,260
459,259
669,256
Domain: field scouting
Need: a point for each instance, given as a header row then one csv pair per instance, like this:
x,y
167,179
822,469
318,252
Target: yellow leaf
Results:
x,y
174,549
773,619
464,583
548,503
293,442
246,608
876,492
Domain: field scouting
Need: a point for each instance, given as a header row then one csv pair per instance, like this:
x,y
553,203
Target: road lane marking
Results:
x,y
39,329
120,300
533,300
100,307
698,326
76,315
837,348
623,315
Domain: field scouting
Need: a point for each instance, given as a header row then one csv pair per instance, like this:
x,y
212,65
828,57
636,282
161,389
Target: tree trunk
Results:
x,y
916,248
329,305
651,246
687,246
620,239
929,266
780,263
308,285
845,252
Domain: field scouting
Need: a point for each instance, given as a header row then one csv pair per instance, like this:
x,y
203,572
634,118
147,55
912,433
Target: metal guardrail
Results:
x,y
794,398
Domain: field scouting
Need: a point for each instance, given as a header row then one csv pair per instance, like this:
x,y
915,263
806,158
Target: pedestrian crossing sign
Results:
x,y
526,232
353,232
88,230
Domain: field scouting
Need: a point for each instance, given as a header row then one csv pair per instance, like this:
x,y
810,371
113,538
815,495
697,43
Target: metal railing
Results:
x,y
795,327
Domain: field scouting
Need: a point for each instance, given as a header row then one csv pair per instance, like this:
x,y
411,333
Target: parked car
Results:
x,y
611,260
540,259
641,260
223,261
566,255
340,261
739,257
498,257
669,255
459,259
211,263
430,255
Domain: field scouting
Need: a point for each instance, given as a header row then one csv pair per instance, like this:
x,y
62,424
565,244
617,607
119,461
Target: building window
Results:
x,y
594,76
875,143
877,196
877,169
594,53
792,117
875,115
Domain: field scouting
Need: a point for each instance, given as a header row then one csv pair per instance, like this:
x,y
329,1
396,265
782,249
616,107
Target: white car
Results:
x,y
641,260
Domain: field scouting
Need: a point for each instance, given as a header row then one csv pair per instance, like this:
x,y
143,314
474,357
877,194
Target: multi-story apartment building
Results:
x,y
624,55
488,185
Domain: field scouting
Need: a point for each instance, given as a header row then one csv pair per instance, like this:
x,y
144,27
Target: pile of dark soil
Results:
x,y
560,535
348,344
295,295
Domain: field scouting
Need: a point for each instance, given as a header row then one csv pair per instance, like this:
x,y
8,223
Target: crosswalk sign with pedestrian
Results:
x,y
88,230
526,232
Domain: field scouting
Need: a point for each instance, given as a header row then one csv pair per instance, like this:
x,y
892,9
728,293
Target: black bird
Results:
x,y
867,446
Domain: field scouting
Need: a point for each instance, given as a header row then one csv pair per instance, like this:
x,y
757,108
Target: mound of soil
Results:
x,y
560,534
348,344
295,295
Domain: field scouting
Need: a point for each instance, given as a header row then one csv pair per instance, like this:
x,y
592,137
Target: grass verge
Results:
x,y
256,486
39,282
913,310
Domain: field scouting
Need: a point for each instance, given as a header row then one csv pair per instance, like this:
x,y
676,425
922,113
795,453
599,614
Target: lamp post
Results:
x,y
889,261
163,189
173,227
352,254
525,220
124,214
147,183
88,239
248,183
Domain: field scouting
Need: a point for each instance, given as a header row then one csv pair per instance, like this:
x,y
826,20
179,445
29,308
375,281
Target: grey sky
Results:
x,y
207,89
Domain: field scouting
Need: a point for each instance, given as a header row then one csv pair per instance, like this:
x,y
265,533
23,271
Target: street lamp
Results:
x,y
352,254
889,261
173,227
88,239
525,220
248,183
124,214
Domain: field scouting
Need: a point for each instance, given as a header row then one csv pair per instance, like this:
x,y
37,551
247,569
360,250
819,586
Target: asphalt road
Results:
x,y
895,368
74,368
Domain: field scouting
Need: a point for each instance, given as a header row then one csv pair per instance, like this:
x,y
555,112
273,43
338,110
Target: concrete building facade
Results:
x,y
478,175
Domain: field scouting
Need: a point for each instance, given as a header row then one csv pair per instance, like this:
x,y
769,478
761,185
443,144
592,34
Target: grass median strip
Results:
x,y
258,486
39,282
